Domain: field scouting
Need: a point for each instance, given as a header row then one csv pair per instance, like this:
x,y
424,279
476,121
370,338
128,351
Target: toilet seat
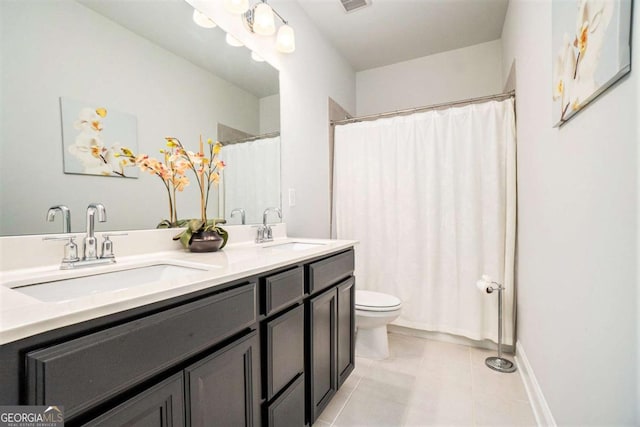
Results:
x,y
376,301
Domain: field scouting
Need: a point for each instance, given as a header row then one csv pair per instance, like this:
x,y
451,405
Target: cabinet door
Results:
x,y
322,374
160,406
346,329
284,350
224,388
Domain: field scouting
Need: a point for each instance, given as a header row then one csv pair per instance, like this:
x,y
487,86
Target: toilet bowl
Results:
x,y
374,310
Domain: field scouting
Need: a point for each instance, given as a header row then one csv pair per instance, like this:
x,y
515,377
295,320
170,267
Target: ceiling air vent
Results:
x,y
352,5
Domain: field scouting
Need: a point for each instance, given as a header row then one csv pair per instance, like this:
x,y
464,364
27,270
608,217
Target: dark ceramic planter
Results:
x,y
205,241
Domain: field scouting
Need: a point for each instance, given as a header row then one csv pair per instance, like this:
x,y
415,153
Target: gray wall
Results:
x,y
577,233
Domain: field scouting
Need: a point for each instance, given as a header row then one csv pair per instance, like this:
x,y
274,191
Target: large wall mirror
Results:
x,y
149,61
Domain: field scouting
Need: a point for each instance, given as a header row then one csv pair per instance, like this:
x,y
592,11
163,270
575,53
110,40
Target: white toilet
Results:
x,y
374,310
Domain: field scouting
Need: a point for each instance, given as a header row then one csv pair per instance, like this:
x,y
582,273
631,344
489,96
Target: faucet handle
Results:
x,y
107,244
70,249
260,233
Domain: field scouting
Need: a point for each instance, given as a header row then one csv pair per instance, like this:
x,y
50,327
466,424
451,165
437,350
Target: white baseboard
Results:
x,y
541,410
449,338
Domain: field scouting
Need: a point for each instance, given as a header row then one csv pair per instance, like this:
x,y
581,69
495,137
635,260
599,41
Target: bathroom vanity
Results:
x,y
263,337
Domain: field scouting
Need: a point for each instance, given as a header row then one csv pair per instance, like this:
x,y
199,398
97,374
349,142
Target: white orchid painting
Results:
x,y
591,39
92,135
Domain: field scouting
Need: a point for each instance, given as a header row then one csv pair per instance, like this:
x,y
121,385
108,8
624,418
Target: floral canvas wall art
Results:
x,y
591,42
92,135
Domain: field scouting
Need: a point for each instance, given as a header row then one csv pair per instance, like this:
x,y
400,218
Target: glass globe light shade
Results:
x,y
286,41
263,21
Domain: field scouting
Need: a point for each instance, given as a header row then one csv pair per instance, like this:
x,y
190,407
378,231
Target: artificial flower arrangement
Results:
x,y
172,171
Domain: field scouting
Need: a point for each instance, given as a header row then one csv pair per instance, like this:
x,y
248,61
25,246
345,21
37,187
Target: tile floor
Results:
x,y
428,383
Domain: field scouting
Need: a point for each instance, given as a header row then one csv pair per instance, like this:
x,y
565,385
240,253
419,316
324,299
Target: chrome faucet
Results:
x,y
66,216
242,214
90,243
265,233
90,256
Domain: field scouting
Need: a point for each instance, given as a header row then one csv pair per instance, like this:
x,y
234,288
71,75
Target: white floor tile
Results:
x,y
365,410
428,383
513,413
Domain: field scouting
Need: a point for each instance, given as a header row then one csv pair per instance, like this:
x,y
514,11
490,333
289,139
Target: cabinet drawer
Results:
x,y
84,372
285,349
288,409
283,289
162,406
328,271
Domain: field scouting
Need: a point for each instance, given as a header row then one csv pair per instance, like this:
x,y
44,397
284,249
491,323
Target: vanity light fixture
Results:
x,y
232,41
263,20
286,41
203,20
236,6
260,19
256,57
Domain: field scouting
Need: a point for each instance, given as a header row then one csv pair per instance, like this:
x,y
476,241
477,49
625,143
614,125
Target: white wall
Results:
x,y
63,49
449,76
308,77
269,114
577,233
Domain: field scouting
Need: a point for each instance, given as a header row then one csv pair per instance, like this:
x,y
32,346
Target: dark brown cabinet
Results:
x,y
283,333
160,406
284,350
322,354
270,349
223,389
288,410
85,372
331,328
346,329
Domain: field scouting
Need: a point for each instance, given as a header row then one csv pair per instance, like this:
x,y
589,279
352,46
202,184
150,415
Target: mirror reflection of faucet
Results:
x,y
243,216
66,216
90,242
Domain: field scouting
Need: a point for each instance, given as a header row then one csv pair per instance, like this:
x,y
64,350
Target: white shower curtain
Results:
x,y
432,199
251,180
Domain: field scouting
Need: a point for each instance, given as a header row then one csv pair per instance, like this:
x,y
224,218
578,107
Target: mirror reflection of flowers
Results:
x,y
206,169
171,171
89,147
577,60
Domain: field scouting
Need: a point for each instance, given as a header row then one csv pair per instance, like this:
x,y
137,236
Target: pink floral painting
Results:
x,y
591,38
92,138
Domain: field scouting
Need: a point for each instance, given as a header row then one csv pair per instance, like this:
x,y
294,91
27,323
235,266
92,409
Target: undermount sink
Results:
x,y
294,246
62,289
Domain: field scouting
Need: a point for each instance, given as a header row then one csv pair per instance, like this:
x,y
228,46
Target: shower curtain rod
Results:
x,y
499,96
251,138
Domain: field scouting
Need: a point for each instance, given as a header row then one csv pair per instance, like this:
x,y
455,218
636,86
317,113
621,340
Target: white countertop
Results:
x,y
22,315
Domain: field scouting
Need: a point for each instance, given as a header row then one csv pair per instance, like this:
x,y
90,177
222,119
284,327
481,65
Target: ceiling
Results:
x,y
390,31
